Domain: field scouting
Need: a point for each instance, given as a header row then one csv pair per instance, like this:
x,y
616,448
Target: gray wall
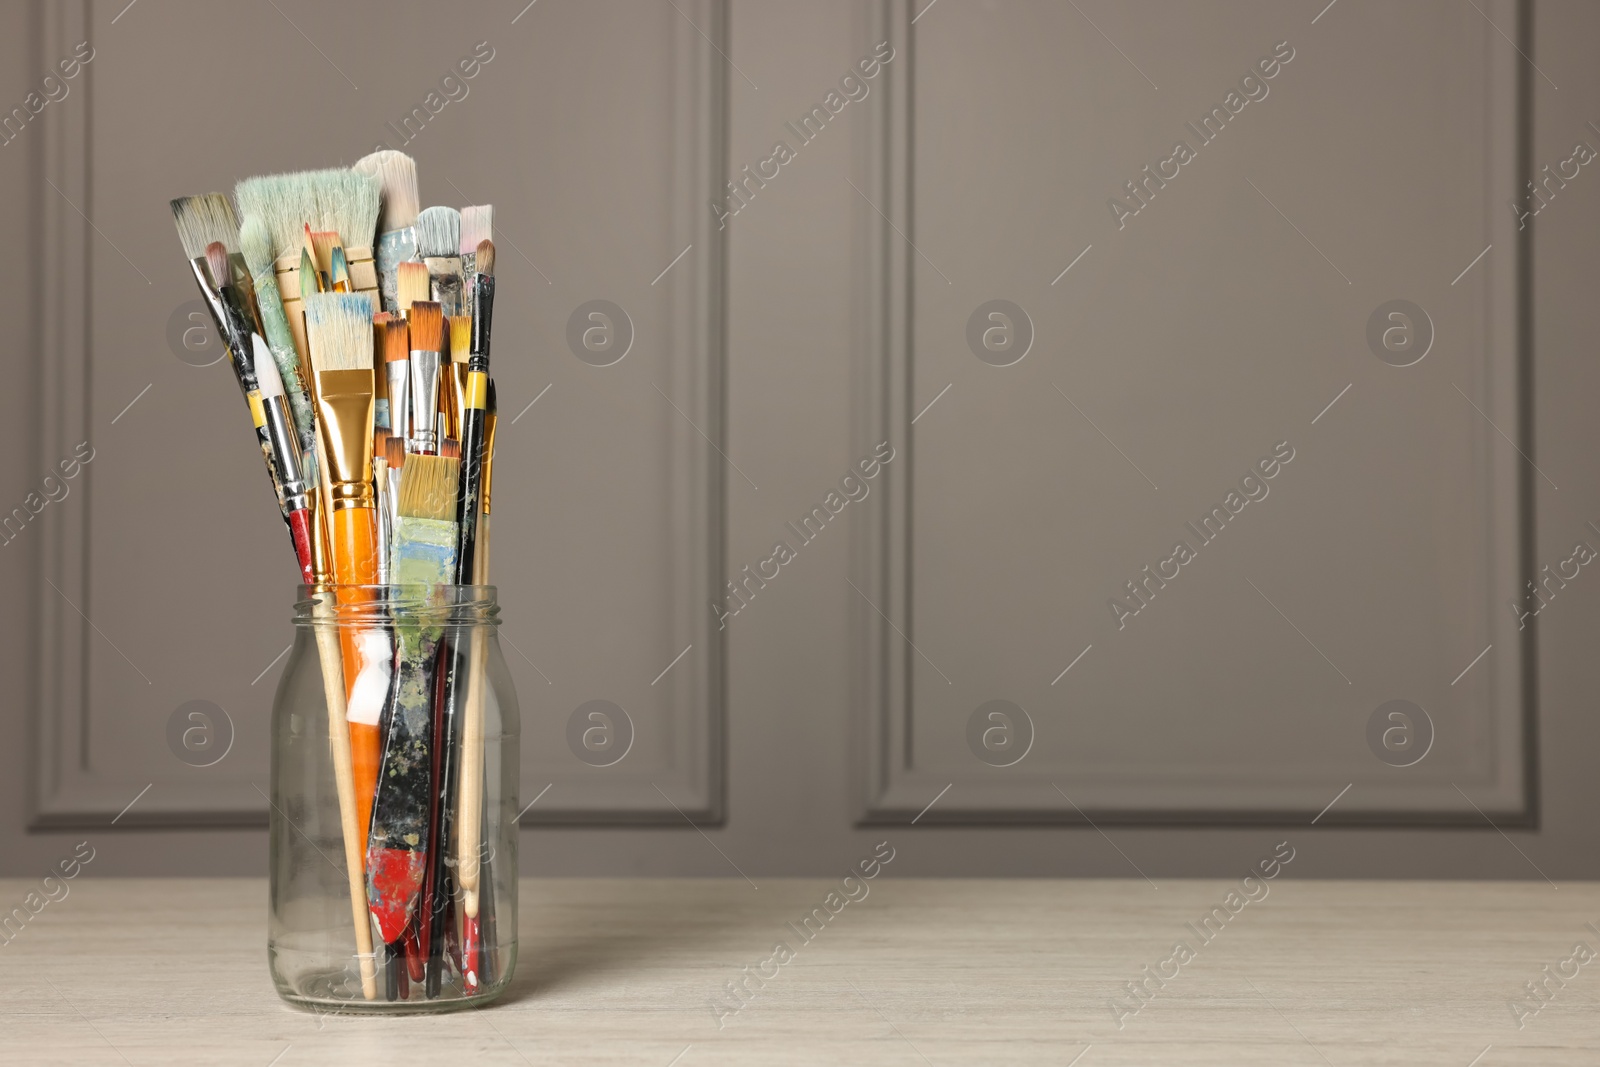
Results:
x,y
810,729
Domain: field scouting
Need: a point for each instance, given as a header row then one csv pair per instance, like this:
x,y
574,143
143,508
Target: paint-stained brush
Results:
x,y
424,564
438,242
255,242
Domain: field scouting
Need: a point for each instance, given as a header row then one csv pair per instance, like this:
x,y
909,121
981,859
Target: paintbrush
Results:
x,y
235,327
396,455
424,563
255,242
339,327
427,327
286,450
413,284
469,505
397,240
397,376
477,226
438,242
460,327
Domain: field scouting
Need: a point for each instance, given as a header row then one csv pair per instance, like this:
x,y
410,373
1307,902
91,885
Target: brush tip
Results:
x,y
268,380
397,181
394,450
217,264
339,330
428,487
396,342
460,338
427,327
485,261
412,284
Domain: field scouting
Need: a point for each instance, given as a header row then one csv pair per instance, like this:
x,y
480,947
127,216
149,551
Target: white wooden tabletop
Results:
x,y
916,972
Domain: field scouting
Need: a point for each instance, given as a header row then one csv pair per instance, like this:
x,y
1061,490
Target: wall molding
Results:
x,y
891,787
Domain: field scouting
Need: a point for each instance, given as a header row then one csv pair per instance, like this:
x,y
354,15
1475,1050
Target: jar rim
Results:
x,y
371,604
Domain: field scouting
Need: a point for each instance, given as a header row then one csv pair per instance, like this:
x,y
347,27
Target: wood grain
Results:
x,y
916,972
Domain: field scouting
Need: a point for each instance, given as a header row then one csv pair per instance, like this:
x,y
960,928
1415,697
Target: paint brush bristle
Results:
x,y
340,200
309,285
217,263
477,225
323,242
255,241
395,452
427,327
396,341
204,219
438,232
484,264
413,285
397,182
460,338
268,380
339,329
428,487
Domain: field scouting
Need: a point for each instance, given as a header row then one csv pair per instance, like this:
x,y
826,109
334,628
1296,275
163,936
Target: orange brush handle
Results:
x,y
355,563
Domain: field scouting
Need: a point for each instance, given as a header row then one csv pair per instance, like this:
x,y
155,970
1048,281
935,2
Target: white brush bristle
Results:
x,y
438,232
397,180
204,219
339,330
268,380
340,201
477,224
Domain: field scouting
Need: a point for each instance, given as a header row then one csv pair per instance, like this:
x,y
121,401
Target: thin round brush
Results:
x,y
286,449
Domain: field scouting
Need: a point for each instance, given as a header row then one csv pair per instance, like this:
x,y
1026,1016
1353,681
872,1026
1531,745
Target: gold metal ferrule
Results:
x,y
344,411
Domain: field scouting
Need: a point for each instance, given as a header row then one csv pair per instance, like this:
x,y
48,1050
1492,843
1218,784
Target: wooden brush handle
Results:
x,y
339,746
472,776
300,533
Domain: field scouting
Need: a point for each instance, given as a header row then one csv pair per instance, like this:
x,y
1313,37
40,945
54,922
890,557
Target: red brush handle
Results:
x,y
300,533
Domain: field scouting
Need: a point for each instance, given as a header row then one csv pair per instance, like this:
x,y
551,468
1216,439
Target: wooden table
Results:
x,y
917,973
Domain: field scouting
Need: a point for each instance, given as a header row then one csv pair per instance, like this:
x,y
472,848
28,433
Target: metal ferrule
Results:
x,y
424,402
344,411
444,275
399,381
286,450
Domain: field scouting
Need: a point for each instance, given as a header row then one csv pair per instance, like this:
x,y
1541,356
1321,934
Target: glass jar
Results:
x,y
367,914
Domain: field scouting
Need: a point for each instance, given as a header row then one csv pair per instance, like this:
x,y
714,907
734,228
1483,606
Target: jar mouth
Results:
x,y
436,605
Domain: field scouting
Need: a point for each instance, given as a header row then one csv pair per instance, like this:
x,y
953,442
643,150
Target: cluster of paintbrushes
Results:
x,y
358,328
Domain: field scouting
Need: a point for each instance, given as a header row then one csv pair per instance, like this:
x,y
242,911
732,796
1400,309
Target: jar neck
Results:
x,y
362,605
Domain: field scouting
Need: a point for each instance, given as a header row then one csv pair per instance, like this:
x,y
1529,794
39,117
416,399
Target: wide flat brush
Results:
x,y
424,564
397,242
339,326
438,243
339,200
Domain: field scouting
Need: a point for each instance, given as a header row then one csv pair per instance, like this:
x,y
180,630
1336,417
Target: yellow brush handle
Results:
x,y
339,746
